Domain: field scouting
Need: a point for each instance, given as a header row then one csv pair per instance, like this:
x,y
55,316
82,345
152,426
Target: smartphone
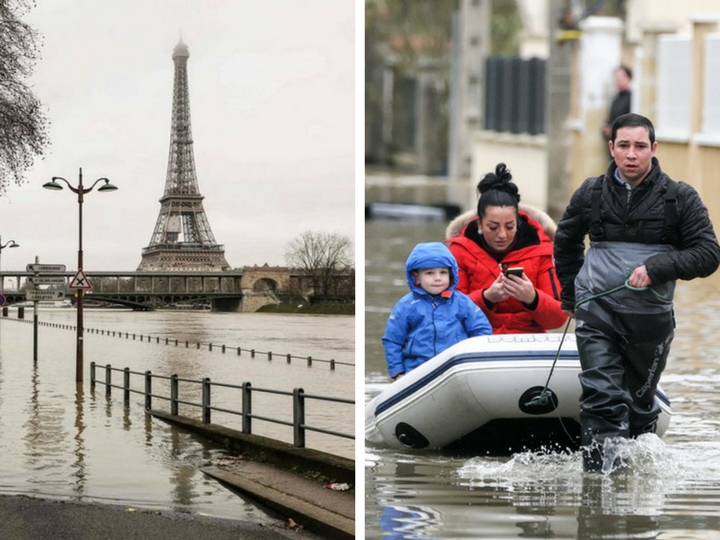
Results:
x,y
516,271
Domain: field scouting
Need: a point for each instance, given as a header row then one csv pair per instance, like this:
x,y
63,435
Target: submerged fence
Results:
x,y
253,353
246,390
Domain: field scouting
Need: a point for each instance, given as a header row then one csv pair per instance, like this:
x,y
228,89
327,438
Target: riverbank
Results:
x,y
312,309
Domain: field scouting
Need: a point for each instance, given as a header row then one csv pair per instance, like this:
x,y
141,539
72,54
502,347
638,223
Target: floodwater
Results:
x,y
670,491
59,441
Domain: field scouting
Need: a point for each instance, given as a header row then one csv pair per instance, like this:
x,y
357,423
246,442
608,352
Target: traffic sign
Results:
x,y
80,281
36,295
45,268
46,280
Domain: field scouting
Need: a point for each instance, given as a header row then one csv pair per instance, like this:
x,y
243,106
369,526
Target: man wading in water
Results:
x,y
646,231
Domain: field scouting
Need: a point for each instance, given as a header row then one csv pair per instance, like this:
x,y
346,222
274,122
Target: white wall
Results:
x,y
674,87
642,13
524,155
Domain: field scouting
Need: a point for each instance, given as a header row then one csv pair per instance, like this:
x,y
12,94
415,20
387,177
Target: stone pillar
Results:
x,y
471,46
702,25
600,54
645,85
431,124
558,99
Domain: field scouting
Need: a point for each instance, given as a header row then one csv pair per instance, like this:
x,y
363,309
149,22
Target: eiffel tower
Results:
x,y
182,239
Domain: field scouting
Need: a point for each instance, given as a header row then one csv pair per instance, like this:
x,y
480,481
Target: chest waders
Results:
x,y
623,338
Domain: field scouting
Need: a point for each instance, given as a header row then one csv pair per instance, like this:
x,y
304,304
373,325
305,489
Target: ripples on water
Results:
x,y
56,441
670,489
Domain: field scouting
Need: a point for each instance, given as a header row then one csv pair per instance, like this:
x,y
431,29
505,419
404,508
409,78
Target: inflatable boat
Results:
x,y
488,395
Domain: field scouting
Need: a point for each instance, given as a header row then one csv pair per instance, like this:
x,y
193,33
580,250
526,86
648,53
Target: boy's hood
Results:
x,y
431,255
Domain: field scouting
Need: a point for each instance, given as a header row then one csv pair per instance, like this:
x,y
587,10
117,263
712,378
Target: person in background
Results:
x,y
500,236
621,102
646,231
433,315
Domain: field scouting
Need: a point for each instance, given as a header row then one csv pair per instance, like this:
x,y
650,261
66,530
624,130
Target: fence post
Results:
x,y
238,352
108,379
223,348
174,395
332,365
269,355
246,408
299,417
252,353
126,384
92,375
209,346
288,358
309,361
148,390
206,400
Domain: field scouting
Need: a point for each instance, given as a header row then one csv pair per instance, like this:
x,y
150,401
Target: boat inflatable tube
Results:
x,y
477,397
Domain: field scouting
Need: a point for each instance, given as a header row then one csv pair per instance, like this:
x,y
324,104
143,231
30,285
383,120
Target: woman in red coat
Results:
x,y
502,236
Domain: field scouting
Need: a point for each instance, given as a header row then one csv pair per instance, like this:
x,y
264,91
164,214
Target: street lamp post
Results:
x,y
80,190
8,244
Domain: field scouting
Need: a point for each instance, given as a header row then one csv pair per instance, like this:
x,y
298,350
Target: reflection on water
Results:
x,y
671,488
64,440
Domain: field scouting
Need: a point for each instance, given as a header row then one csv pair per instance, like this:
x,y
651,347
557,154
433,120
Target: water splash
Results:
x,y
646,456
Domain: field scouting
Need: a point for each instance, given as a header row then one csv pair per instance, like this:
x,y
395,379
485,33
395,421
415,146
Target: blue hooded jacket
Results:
x,y
422,325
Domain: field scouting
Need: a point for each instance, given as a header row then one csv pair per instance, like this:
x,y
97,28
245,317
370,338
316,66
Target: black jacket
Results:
x,y
620,105
638,216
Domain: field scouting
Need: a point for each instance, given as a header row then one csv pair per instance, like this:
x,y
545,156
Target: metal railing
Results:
x,y
299,398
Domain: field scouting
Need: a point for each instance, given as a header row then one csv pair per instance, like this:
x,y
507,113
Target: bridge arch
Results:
x,y
265,284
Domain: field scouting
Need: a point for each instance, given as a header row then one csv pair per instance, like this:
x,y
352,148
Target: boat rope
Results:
x,y
542,397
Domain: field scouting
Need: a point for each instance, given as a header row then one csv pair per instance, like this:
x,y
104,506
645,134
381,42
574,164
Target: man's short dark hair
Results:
x,y
633,120
627,70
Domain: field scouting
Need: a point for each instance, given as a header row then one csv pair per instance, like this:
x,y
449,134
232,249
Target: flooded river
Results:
x,y
672,489
63,442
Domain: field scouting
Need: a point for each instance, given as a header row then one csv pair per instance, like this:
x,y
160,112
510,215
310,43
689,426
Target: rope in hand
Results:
x,y
543,397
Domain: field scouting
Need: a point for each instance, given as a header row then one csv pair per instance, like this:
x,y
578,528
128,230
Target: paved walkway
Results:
x,y
309,510
29,518
264,472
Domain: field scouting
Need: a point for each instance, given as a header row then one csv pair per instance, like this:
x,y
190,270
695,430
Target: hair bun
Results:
x,y
500,180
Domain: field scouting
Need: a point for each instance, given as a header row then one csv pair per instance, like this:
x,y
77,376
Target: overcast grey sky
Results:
x,y
272,87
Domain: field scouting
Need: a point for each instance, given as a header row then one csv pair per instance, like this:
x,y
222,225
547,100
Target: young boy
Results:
x,y
433,315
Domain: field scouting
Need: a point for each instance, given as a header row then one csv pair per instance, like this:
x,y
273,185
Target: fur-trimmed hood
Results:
x,y
456,226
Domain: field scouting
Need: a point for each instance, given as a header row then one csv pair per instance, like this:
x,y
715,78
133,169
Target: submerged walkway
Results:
x,y
307,502
296,483
28,518
307,509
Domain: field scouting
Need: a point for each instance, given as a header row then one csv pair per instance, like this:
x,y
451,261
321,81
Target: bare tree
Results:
x,y
324,257
23,125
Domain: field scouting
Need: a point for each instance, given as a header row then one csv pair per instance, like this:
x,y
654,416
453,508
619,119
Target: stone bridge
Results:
x,y
242,289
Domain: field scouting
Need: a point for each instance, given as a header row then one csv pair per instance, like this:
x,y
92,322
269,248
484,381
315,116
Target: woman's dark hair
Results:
x,y
497,189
